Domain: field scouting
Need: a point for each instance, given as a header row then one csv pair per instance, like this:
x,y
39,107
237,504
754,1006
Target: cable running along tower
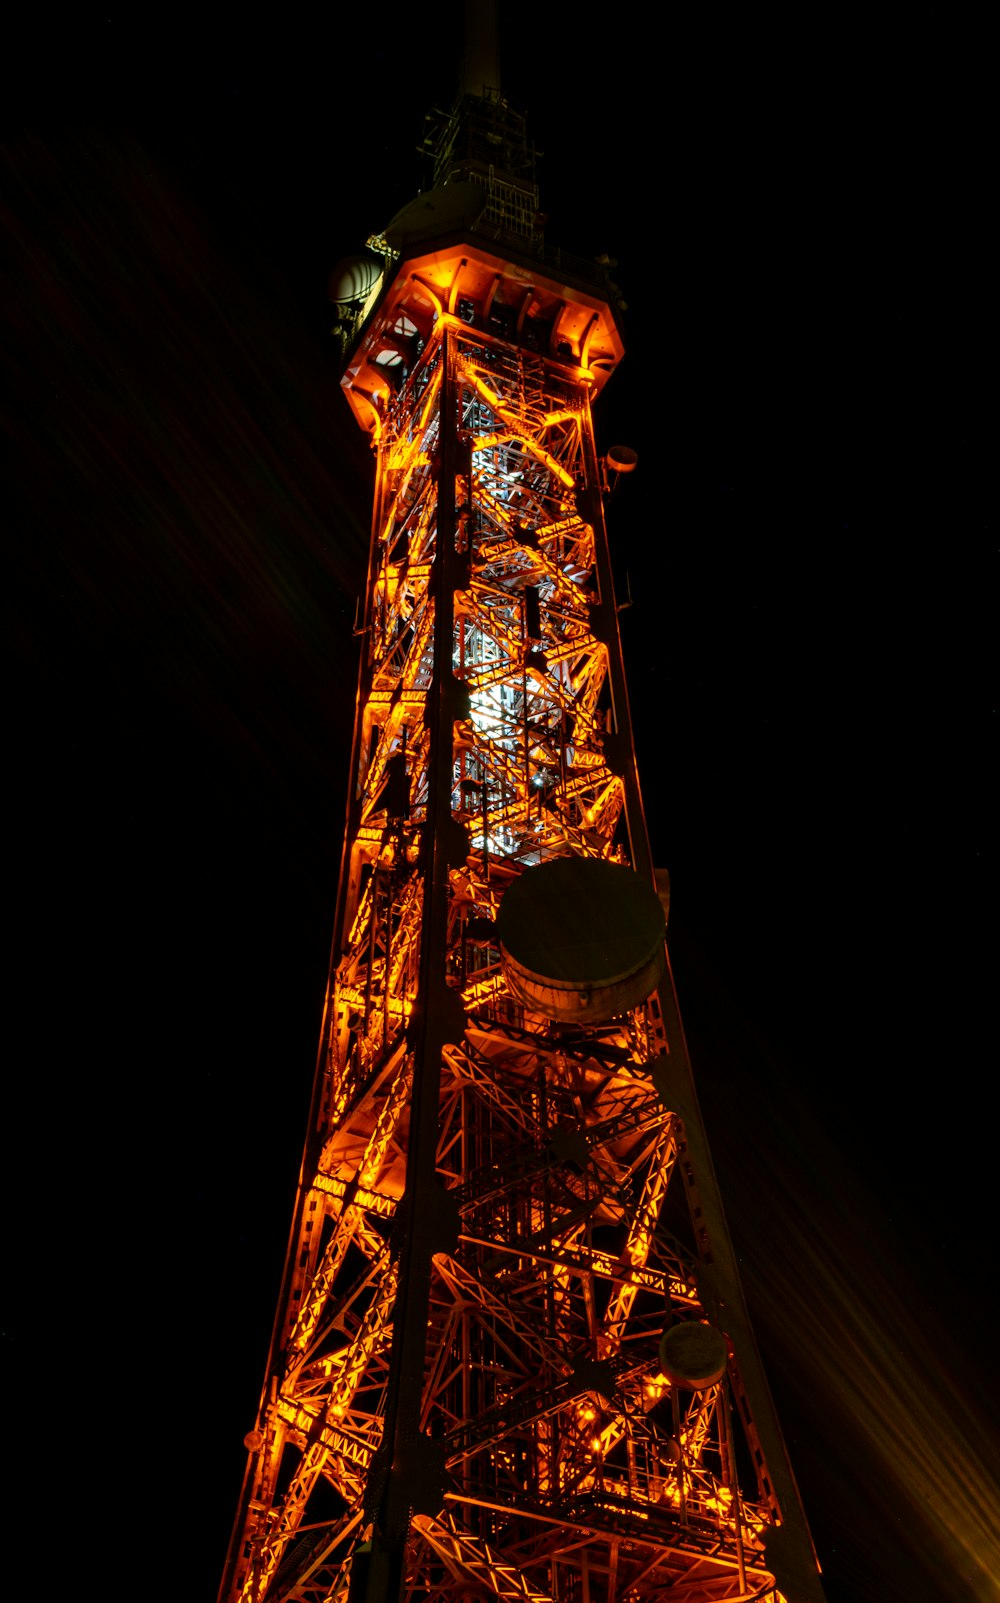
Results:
x,y
511,1355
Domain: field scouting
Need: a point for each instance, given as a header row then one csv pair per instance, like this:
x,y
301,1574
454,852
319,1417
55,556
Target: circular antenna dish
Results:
x,y
622,459
693,1356
353,279
581,939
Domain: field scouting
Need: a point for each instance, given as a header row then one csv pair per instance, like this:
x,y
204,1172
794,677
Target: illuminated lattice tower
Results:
x,y
511,1356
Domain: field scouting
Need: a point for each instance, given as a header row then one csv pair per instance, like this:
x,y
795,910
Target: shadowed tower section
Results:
x,y
511,1356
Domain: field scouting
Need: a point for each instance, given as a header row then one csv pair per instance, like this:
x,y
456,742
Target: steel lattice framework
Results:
x,y
498,1216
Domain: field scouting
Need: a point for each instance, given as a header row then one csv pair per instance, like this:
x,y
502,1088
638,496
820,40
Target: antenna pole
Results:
x,y
480,56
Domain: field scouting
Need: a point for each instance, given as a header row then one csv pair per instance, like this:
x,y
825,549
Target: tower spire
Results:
x,y
480,73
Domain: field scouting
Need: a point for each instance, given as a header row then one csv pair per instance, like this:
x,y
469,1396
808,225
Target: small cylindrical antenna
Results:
x,y
480,55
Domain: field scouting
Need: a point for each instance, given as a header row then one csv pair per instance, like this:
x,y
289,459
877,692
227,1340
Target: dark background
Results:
x,y
800,216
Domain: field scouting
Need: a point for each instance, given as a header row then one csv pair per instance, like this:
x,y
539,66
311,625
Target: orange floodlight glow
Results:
x,y
499,1283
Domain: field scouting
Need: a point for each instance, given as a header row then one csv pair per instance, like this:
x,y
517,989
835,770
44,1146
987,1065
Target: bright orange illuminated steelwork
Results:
x,y
498,1214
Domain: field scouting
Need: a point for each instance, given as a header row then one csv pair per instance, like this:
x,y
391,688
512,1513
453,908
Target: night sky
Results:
x,y
801,224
